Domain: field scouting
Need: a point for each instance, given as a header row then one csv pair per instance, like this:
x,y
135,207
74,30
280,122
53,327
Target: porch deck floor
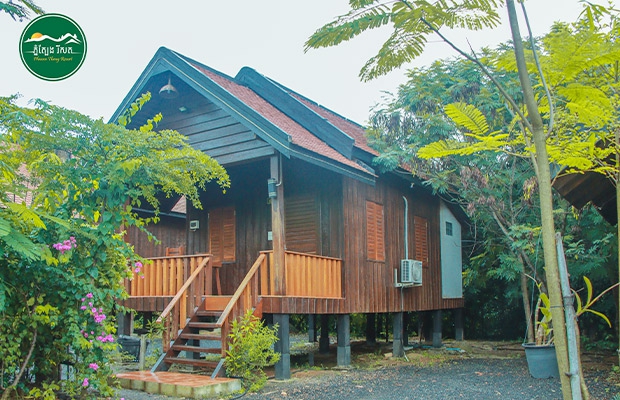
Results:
x,y
178,384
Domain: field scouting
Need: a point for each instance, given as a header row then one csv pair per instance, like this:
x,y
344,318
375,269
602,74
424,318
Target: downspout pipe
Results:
x,y
406,228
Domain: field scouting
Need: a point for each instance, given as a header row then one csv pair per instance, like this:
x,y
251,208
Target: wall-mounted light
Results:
x,y
271,188
194,225
168,91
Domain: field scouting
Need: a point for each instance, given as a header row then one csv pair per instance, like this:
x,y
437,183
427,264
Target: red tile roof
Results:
x,y
349,127
299,135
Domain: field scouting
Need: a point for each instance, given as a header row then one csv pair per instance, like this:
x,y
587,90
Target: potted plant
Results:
x,y
540,355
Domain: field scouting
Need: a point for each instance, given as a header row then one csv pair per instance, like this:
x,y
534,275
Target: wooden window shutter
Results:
x,y
302,227
222,234
375,231
421,239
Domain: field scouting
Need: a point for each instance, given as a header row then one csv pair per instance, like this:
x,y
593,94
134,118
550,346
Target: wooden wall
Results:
x,y
369,285
248,194
170,231
212,130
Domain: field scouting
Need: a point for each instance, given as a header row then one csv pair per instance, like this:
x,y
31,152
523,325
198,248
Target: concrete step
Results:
x,y
177,384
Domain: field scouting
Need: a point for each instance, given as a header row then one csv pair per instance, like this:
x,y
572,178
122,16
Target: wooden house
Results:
x,y
307,227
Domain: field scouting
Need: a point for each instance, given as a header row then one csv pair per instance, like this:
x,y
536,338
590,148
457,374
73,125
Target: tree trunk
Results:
x,y
527,307
13,386
617,135
546,204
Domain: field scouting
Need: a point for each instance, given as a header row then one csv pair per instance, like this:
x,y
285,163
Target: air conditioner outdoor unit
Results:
x,y
411,272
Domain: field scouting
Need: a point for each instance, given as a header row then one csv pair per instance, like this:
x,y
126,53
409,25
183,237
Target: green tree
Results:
x,y
68,186
412,22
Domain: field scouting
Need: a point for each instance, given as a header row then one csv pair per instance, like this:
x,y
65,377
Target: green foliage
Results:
x,y
410,22
450,126
67,186
544,323
251,350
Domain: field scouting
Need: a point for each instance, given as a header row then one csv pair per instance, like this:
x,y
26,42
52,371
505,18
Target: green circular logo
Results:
x,y
52,47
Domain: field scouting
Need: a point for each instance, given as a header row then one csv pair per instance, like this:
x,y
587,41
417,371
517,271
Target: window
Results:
x,y
448,228
375,232
420,229
222,234
302,228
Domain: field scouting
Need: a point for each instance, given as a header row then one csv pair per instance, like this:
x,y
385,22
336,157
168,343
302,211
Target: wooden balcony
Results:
x,y
162,279
306,275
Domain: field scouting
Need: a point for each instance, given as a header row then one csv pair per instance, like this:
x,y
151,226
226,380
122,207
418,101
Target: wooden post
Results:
x,y
344,340
437,328
282,346
371,329
277,229
398,349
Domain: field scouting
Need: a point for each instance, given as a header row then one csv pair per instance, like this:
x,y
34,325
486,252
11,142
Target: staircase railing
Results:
x,y
245,298
185,302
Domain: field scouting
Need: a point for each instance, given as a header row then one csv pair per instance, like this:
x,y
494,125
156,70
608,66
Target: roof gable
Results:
x,y
266,108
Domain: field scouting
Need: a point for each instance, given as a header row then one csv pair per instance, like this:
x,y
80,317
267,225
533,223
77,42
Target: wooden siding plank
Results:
x,y
261,150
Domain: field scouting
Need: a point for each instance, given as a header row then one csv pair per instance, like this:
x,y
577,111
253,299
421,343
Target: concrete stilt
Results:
x,y
125,323
458,325
344,340
398,349
371,329
406,320
324,340
311,328
282,346
437,328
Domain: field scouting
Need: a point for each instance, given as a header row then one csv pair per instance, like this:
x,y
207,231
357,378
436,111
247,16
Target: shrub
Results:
x,y
250,350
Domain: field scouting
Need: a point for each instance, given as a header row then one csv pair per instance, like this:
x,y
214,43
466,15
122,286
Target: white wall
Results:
x,y
451,258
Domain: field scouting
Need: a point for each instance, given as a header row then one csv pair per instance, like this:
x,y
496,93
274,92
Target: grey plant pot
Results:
x,y
541,360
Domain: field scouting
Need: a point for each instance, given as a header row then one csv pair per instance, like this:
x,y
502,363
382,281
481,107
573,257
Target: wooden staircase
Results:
x,y
200,339
203,329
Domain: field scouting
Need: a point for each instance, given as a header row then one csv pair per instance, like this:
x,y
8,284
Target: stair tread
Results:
x,y
196,349
208,313
204,325
200,336
190,361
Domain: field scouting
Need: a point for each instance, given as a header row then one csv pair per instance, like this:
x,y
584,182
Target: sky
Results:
x,y
267,35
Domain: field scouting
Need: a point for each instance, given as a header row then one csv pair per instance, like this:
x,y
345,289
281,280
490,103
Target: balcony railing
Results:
x,y
306,275
166,275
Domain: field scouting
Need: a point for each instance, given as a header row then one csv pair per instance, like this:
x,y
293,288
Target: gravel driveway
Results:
x,y
460,379
457,379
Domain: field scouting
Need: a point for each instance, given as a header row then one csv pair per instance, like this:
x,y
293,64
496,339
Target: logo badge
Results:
x,y
52,47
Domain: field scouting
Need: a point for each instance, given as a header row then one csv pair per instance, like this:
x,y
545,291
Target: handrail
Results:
x,y
184,288
180,256
240,289
308,255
